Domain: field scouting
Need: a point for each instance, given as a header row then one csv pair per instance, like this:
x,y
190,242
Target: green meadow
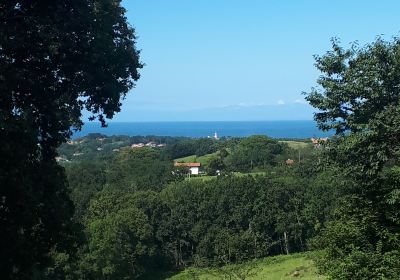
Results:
x,y
295,266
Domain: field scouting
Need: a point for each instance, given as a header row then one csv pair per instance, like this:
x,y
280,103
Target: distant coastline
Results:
x,y
277,129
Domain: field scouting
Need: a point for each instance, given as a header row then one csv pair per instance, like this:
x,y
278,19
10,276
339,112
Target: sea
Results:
x,y
196,129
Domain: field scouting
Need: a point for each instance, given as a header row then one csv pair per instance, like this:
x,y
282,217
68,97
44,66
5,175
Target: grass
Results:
x,y
204,160
237,174
295,266
296,144
241,174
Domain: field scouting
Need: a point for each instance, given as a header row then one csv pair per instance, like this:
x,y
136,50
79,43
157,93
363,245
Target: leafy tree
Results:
x,y
138,169
186,147
231,219
85,179
57,58
359,96
255,152
120,243
215,166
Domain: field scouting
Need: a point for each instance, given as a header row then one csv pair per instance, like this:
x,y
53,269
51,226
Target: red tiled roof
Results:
x,y
289,161
187,164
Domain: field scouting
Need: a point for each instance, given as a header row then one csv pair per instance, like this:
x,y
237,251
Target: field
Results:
x,y
202,159
296,266
296,144
238,174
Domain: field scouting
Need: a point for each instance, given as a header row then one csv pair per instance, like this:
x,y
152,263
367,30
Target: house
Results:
x,y
140,145
194,167
318,141
289,161
61,158
151,145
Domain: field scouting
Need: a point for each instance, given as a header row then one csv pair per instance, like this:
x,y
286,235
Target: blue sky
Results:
x,y
240,60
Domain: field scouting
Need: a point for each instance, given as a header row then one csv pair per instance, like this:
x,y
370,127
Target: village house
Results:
x,y
194,167
61,158
139,145
151,145
289,161
318,141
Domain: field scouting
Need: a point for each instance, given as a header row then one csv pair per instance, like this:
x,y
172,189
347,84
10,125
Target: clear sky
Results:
x,y
240,60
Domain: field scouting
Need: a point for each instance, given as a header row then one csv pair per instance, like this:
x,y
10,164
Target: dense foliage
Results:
x,y
204,221
359,97
57,58
255,152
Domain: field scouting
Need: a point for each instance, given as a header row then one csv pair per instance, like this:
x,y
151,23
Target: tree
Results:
x,y
120,239
57,58
254,152
138,169
215,166
85,180
358,97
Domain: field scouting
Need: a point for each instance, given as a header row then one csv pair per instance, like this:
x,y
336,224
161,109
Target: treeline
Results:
x,y
98,146
142,169
202,223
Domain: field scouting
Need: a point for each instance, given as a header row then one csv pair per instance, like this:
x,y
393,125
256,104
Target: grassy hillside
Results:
x,y
296,144
202,159
296,266
238,174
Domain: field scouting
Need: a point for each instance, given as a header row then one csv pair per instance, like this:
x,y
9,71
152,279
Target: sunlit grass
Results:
x,y
296,144
295,266
203,160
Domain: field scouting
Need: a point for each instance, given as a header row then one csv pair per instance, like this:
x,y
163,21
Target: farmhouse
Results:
x,y
318,141
194,167
289,161
139,145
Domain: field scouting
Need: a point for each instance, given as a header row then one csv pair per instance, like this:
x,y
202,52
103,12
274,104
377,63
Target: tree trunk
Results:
x,y
286,241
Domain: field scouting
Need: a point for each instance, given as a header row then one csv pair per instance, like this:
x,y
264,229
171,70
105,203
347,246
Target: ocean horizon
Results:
x,y
276,129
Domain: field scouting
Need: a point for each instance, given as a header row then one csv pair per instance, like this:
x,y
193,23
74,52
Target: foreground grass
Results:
x,y
295,266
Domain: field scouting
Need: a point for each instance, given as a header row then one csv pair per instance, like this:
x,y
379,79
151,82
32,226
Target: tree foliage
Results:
x,y
359,97
57,58
255,152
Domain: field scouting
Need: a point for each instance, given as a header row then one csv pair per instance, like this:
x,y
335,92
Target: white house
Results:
x,y
140,145
194,167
